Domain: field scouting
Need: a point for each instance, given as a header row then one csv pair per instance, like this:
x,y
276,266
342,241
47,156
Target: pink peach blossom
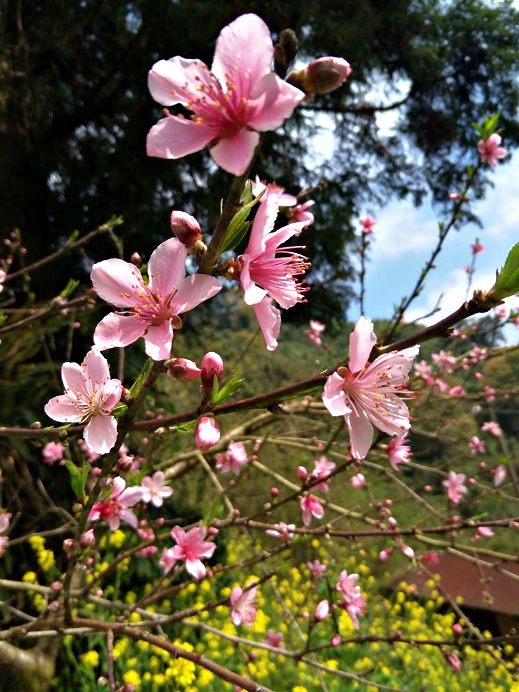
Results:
x,y
398,451
243,606
455,486
231,104
167,560
234,458
154,490
207,433
52,452
283,531
310,507
492,427
90,395
263,275
368,224
191,547
117,505
366,393
321,611
153,309
490,149
476,445
274,639
4,525
317,569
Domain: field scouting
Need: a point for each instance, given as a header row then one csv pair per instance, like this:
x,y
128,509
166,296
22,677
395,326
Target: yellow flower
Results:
x,y
37,543
132,677
90,659
46,560
116,538
30,577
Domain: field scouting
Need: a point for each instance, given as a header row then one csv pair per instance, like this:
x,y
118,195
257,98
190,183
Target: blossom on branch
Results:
x,y
366,393
265,276
151,310
231,103
491,150
243,606
455,486
234,458
191,547
154,490
310,507
117,505
90,395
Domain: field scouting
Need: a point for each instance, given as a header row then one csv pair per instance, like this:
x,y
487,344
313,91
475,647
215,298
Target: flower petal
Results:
x,y
158,341
193,290
167,266
96,366
234,154
272,102
73,377
174,137
243,50
117,282
269,320
362,340
361,434
62,409
101,433
334,398
118,330
177,80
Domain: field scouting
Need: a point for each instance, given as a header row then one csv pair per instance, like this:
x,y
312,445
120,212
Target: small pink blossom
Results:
x,y
231,104
366,393
263,275
485,531
52,452
322,469
234,458
476,445
424,370
321,611
4,525
445,362
499,475
191,547
154,490
368,224
284,532
358,481
492,427
317,569
117,505
347,583
207,433
310,507
274,639
150,310
90,395
490,150
455,486
352,599
301,213
476,248
398,451
315,331
453,661
490,394
457,391
167,560
243,606
430,558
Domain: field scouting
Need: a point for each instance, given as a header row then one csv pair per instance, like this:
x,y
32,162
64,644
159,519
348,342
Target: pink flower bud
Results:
x,y
322,610
183,369
358,481
207,433
407,551
453,661
56,586
186,228
274,491
336,640
302,473
457,630
392,522
136,259
321,76
385,554
88,539
212,365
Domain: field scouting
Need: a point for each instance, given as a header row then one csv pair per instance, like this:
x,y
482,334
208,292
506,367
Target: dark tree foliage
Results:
x,y
75,111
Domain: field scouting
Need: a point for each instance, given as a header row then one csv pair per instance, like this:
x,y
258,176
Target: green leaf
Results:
x,y
73,236
136,386
77,478
236,229
69,288
119,410
216,510
228,389
507,280
3,317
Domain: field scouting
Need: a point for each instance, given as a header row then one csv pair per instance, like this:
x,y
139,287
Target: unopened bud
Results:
x,y
212,365
183,369
186,228
125,464
207,433
88,539
321,76
136,259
